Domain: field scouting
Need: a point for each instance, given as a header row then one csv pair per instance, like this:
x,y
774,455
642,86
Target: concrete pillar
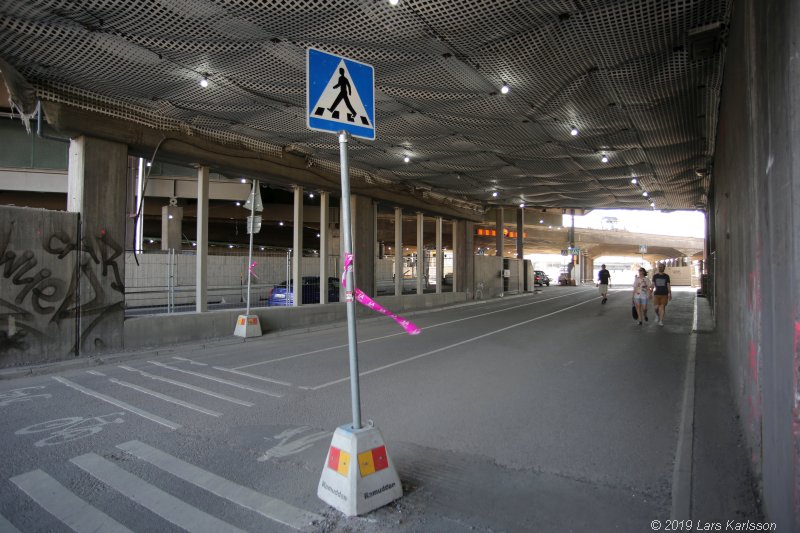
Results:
x,y
520,232
201,278
362,219
96,186
463,257
499,225
420,252
297,247
375,248
398,251
324,232
439,256
456,250
171,227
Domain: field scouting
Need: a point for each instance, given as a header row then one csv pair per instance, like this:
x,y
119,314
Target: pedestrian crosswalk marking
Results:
x,y
57,500
161,503
166,398
188,386
218,380
271,508
6,526
119,403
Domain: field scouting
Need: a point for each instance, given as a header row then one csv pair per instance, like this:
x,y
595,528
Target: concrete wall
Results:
x,y
38,277
488,283
160,330
755,214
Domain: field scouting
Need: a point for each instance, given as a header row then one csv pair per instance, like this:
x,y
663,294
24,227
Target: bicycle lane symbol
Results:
x,y
21,395
70,428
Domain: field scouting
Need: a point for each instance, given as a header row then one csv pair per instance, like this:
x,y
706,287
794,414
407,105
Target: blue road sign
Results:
x,y
340,95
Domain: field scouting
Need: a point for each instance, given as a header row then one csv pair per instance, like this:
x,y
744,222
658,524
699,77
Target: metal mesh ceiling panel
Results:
x,y
639,79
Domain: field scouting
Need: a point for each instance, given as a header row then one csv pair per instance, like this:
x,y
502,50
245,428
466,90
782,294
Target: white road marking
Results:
x,y
218,380
234,371
190,361
188,386
64,505
404,333
443,348
161,503
119,403
287,447
266,506
165,397
95,373
6,526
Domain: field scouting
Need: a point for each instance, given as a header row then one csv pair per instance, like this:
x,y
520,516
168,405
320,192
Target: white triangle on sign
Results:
x,y
334,94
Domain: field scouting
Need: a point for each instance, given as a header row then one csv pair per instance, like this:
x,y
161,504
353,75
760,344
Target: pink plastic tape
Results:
x,y
363,299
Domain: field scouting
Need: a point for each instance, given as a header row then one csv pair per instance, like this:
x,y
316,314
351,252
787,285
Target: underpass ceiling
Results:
x,y
639,79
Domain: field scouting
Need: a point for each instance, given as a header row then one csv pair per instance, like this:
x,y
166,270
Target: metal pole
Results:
x,y
250,253
349,283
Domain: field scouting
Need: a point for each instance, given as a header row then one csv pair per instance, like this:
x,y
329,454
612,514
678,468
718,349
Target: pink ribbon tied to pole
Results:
x,y
363,299
252,266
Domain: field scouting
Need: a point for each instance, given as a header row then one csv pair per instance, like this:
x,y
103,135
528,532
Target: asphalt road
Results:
x,y
541,412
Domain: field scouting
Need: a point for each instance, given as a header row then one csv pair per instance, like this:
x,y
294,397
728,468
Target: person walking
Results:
x,y
345,90
662,293
641,293
602,278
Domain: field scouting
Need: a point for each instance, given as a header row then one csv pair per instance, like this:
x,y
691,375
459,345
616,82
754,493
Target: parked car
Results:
x,y
280,296
540,278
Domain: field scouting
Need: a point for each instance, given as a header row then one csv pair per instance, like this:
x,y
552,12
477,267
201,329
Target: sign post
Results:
x,y
248,325
358,475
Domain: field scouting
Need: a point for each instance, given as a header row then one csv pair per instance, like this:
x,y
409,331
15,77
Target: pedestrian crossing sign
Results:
x,y
340,94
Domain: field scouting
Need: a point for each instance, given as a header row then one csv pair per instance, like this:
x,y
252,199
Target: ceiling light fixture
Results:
x,y
541,221
652,204
406,159
644,194
521,205
505,88
494,194
573,131
311,195
394,2
204,81
244,180
280,223
604,159
634,181
238,204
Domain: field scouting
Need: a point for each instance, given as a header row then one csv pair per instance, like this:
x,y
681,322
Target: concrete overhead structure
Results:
x,y
715,130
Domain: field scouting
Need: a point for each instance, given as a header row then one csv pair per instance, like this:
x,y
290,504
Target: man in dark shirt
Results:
x,y
662,293
602,277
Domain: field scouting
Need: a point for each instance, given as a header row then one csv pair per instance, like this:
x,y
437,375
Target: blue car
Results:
x,y
280,296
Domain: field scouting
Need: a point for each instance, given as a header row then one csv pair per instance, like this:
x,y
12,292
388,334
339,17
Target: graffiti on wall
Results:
x,y
42,304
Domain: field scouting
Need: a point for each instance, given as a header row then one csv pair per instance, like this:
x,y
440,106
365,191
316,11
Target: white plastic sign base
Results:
x,y
247,326
358,476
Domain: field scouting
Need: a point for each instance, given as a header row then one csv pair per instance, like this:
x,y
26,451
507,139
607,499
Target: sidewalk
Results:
x,y
723,487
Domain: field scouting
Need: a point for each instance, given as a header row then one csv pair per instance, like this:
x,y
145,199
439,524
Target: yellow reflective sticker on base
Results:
x,y
344,463
366,465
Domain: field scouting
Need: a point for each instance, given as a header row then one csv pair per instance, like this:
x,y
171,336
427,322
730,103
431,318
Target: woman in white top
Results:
x,y
642,287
